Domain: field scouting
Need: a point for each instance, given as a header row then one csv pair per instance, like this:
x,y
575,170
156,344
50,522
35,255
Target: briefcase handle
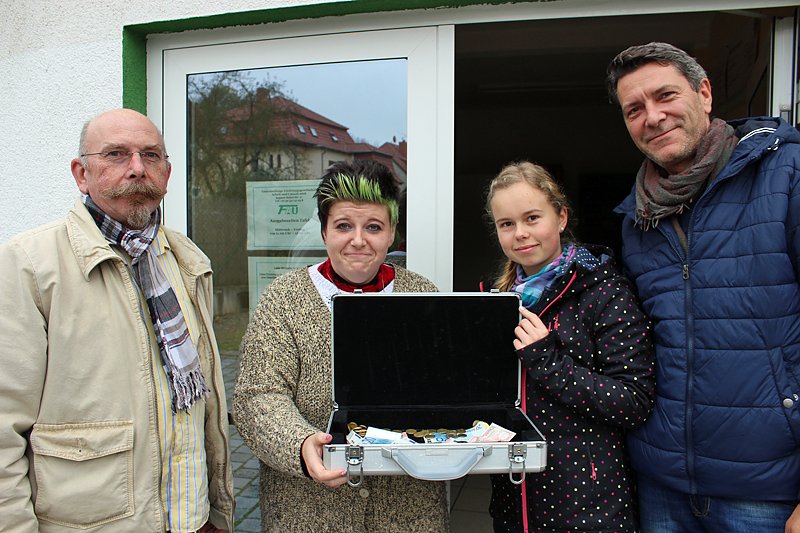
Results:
x,y
460,462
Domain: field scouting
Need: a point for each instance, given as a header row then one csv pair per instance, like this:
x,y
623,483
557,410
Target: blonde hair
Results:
x,y
537,177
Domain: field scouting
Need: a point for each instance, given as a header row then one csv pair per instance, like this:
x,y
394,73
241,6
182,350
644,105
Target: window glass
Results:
x,y
253,166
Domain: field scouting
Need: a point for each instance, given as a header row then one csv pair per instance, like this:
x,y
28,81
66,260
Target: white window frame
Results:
x,y
429,53
784,63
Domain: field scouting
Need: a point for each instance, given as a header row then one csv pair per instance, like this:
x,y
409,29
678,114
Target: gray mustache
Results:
x,y
144,189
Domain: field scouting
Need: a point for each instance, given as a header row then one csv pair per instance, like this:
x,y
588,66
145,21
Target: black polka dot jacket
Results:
x,y
586,383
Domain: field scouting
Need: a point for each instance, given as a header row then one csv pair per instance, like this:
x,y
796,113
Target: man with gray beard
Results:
x,y
112,406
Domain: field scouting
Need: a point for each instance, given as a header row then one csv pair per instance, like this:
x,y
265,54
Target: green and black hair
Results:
x,y
359,181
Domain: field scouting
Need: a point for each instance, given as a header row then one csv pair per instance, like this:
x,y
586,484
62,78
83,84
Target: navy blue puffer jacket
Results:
x,y
727,327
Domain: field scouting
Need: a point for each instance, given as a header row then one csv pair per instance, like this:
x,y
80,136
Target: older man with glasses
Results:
x,y
112,399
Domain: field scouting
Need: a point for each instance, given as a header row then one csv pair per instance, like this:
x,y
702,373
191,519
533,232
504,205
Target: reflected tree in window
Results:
x,y
237,128
246,127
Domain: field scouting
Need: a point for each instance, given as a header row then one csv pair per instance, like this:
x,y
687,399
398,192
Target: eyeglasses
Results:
x,y
123,157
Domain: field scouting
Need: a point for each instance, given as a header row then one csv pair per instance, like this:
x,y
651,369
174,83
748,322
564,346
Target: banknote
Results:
x,y
496,433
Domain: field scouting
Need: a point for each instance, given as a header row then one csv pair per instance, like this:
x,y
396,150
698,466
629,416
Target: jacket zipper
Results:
x,y
523,405
689,355
220,388
128,271
590,457
560,294
689,318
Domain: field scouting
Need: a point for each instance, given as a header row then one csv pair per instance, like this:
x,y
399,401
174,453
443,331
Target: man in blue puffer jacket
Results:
x,y
711,236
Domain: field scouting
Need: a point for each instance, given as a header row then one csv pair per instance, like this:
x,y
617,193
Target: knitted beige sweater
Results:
x,y
283,394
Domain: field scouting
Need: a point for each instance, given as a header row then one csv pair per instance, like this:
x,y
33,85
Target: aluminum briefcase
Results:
x,y
428,360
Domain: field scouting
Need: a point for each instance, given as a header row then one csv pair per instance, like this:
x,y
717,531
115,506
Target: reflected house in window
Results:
x,y
303,143
243,130
399,156
323,141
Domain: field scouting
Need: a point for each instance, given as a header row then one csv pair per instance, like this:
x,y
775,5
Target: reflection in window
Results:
x,y
259,140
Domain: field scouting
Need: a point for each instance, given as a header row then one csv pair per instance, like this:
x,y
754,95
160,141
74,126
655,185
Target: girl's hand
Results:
x,y
529,330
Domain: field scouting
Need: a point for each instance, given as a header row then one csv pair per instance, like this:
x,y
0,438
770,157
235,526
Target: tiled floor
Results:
x,y
469,496
469,504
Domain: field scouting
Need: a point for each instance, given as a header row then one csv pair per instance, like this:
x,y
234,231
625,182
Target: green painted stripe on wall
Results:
x,y
134,70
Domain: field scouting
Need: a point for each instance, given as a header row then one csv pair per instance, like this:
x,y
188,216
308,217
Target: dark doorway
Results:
x,y
535,90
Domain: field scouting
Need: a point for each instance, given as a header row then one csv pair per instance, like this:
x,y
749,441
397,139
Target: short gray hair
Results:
x,y
82,142
85,130
664,54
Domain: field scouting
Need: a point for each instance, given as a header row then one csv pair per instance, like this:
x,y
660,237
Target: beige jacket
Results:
x,y
284,394
78,435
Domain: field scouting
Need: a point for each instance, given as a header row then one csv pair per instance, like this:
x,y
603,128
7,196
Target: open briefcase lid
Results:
x,y
425,349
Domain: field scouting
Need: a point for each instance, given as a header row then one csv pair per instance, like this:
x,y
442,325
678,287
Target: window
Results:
x,y
303,129
313,131
426,55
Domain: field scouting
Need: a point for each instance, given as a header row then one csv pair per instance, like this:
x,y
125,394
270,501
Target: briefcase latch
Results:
x,y
354,456
517,452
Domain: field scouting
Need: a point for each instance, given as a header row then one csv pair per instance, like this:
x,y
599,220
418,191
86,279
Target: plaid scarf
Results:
x,y
659,194
178,353
530,288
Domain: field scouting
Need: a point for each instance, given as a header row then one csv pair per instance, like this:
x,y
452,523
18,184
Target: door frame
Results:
x,y
429,54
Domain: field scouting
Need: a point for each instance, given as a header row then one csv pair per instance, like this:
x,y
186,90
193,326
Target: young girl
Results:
x,y
587,358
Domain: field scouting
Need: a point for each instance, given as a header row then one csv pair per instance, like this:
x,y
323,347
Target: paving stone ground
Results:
x,y
244,463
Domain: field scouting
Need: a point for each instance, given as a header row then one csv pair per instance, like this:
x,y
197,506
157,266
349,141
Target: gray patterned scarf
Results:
x,y
178,353
659,194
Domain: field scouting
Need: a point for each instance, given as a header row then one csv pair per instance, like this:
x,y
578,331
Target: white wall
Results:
x,y
60,64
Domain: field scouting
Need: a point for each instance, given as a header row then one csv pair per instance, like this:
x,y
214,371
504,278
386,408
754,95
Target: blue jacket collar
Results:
x,y
757,136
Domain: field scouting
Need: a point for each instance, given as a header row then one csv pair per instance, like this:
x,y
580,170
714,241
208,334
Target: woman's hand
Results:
x,y
529,330
311,452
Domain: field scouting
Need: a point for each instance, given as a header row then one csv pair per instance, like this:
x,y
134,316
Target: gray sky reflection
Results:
x,y
369,97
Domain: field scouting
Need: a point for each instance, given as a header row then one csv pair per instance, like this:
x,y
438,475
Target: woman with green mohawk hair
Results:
x,y
283,396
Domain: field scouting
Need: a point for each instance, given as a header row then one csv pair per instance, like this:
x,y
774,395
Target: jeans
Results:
x,y
663,510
